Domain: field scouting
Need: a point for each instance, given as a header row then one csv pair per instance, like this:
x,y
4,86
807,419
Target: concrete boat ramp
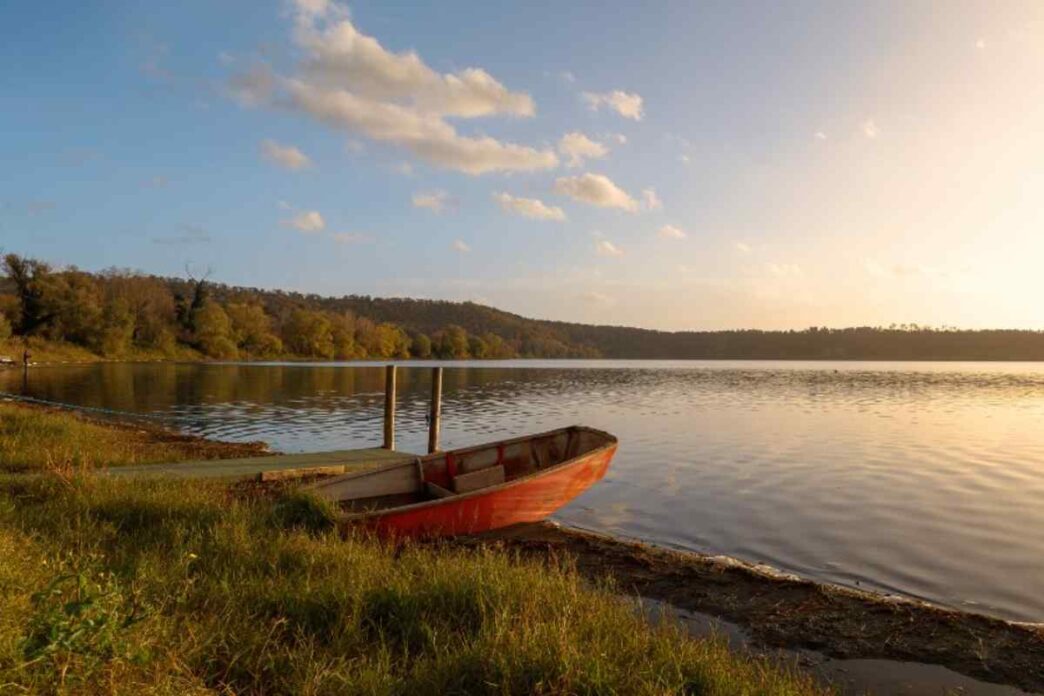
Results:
x,y
269,467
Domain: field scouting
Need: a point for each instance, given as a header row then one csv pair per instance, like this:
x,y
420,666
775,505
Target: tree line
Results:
x,y
119,313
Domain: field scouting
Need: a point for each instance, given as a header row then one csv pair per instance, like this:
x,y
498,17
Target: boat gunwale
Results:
x,y
612,443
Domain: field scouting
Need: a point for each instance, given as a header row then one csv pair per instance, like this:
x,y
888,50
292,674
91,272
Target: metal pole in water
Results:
x,y
389,407
436,410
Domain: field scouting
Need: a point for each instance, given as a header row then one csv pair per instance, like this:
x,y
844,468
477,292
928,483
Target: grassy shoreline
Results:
x,y
116,586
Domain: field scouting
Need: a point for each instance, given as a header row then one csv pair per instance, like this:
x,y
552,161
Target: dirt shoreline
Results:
x,y
783,611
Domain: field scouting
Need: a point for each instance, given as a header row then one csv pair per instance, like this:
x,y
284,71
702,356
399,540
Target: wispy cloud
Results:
x,y
671,232
820,135
650,199
286,156
528,207
351,238
870,128
627,104
595,189
460,246
307,221
742,247
434,201
604,247
576,147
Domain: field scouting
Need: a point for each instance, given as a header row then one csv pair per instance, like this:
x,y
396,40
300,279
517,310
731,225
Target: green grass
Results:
x,y
57,352
118,586
33,439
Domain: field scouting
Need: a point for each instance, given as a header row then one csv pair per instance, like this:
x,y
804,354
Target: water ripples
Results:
x,y
920,479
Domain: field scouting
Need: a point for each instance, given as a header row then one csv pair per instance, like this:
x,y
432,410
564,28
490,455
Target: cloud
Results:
x,y
459,245
742,247
308,221
671,232
528,207
820,135
350,238
342,57
606,248
870,128
424,134
626,104
348,80
684,159
576,147
651,201
980,44
595,189
434,201
286,156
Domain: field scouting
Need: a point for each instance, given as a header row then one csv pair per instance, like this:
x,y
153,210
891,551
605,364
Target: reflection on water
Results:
x,y
923,479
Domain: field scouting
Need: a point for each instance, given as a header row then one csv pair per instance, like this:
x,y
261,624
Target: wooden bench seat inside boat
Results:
x,y
480,478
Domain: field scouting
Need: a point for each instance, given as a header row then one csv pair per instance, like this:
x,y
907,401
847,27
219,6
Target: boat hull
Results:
x,y
530,499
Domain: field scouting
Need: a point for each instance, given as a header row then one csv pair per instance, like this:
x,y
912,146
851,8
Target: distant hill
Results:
x,y
120,313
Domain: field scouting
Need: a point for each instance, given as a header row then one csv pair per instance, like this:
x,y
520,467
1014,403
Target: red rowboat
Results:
x,y
475,489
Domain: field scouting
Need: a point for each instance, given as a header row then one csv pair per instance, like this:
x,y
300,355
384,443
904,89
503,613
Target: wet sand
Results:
x,y
842,630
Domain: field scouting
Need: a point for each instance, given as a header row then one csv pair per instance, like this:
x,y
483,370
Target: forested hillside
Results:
x,y
119,313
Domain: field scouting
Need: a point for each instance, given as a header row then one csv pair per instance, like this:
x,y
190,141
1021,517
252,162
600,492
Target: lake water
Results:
x,y
923,479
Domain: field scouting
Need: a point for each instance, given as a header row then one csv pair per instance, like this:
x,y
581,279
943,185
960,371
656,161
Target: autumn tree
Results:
x,y
309,334
477,348
345,346
213,332
451,343
116,331
150,304
30,279
252,330
76,305
420,346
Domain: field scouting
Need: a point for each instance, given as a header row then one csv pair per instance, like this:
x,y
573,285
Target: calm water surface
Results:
x,y
924,479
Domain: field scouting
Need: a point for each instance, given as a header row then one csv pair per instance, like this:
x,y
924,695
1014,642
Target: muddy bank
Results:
x,y
781,611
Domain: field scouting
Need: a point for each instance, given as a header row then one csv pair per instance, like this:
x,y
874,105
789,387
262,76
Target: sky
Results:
x,y
670,165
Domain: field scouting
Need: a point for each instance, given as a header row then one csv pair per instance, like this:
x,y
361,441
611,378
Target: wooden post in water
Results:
x,y
389,407
435,414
